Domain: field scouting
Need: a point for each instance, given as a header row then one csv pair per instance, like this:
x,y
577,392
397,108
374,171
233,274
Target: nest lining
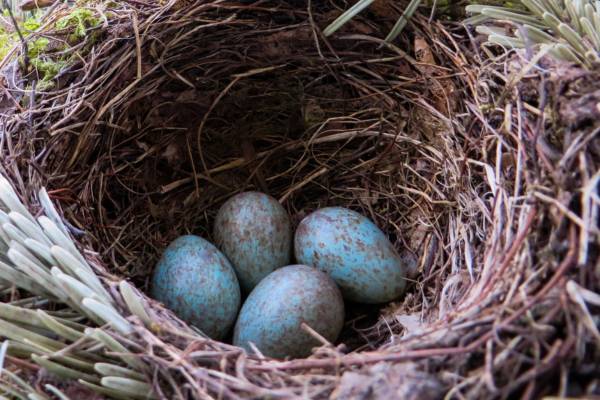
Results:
x,y
199,102
301,130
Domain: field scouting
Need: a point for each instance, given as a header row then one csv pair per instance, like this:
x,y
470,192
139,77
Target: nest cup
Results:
x,y
194,116
173,109
233,109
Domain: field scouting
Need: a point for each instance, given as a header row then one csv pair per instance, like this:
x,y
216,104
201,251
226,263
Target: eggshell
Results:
x,y
272,315
354,252
254,231
197,282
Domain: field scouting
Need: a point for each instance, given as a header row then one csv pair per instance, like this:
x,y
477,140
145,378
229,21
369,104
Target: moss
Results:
x,y
78,21
46,64
45,67
31,24
7,42
8,39
47,70
38,47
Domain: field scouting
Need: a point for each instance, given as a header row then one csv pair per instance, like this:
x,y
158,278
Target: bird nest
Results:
x,y
160,112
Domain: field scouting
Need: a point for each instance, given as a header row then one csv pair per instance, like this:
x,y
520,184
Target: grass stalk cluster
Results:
x,y
567,29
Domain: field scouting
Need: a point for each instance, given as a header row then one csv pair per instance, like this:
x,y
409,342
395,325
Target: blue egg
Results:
x,y
197,282
354,252
272,316
254,231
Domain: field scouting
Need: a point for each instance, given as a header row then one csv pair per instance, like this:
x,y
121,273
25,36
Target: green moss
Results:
x,y
31,24
44,61
79,21
45,67
48,69
7,41
38,47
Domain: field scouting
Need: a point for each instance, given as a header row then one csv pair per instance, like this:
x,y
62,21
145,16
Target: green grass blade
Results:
x,y
134,302
20,280
10,199
108,314
347,16
106,369
18,334
131,387
112,393
55,391
500,14
573,38
403,20
58,328
114,346
537,36
62,371
50,210
506,41
535,7
592,33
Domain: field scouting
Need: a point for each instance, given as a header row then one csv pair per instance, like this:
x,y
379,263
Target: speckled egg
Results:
x,y
254,232
197,282
354,252
272,315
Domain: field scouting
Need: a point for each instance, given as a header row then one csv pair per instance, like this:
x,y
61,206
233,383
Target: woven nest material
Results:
x,y
488,187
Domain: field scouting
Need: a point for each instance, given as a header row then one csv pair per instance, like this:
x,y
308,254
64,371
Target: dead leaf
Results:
x,y
423,52
442,89
29,5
